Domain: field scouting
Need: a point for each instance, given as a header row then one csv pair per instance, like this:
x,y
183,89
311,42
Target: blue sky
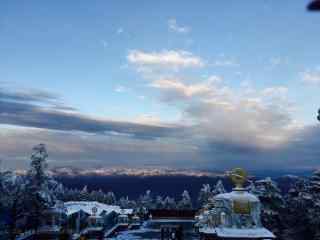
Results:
x,y
174,64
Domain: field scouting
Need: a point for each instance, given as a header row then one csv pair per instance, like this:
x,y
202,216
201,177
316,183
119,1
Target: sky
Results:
x,y
179,84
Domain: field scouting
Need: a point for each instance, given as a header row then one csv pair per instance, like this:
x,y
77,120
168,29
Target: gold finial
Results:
x,y
238,177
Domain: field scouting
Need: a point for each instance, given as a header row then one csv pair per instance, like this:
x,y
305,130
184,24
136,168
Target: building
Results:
x,y
80,213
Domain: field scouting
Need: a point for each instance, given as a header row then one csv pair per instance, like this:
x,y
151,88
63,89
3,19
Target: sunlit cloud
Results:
x,y
178,89
217,111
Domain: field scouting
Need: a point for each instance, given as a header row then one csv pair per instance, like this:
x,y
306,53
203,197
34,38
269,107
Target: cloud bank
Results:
x,y
221,126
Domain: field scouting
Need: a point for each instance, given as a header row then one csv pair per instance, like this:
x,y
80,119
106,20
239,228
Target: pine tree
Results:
x,y
169,203
185,202
94,196
59,192
303,208
84,194
315,182
146,200
100,196
251,188
159,203
38,166
39,196
219,188
205,194
269,193
110,198
12,200
273,204
124,202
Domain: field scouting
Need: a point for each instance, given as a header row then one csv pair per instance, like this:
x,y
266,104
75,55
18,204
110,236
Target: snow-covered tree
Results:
x,y
169,203
110,198
12,200
205,194
100,196
146,200
59,191
94,196
132,204
302,216
84,194
315,183
159,202
273,203
124,202
39,195
269,194
219,188
185,202
251,188
38,166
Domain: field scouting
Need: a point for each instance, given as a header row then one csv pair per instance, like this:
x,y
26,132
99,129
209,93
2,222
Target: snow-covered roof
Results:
x,y
127,211
238,233
85,206
237,195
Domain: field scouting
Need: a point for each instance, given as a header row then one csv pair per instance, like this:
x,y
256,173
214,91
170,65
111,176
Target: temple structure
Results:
x,y
233,215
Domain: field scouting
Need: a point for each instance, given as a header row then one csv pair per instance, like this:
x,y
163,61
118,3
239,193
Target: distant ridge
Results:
x,y
137,172
69,171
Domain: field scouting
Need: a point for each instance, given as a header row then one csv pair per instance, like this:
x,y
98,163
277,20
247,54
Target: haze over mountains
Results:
x,y
162,171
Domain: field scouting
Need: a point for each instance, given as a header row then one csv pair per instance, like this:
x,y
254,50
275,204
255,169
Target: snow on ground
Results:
x,y
236,232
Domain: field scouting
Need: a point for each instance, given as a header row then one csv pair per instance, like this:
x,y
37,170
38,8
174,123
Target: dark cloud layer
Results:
x,y
38,109
28,96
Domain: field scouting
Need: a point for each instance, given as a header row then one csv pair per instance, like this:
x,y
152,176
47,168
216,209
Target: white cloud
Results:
x,y
217,112
244,115
239,119
311,77
174,27
167,58
121,89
